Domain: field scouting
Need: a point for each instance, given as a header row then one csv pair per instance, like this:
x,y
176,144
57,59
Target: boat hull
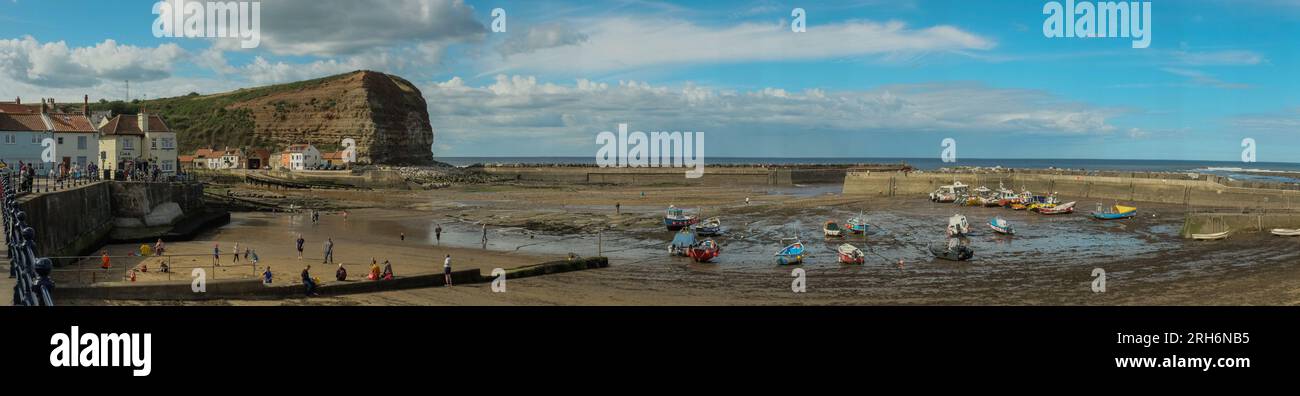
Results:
x,y
1286,232
678,224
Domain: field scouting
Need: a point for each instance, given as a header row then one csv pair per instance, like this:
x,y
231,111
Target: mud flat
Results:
x,y
1049,263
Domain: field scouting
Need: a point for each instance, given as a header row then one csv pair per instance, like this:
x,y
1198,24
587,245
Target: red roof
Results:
x,y
130,125
297,148
22,122
204,153
76,123
17,108
185,158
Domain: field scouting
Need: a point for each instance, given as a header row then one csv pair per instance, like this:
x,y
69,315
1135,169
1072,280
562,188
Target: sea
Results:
x,y
1284,172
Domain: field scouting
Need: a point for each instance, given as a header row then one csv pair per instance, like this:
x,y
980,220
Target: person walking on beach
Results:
x,y
618,208
329,251
104,260
300,242
484,236
446,270
235,250
437,234
403,236
216,254
158,247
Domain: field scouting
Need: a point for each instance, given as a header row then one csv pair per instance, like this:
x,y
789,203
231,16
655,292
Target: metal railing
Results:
x,y
32,272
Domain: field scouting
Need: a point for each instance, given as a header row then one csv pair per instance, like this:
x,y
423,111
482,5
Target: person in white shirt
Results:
x,y
446,270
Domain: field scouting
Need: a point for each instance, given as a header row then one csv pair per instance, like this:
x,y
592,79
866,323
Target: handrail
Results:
x,y
33,272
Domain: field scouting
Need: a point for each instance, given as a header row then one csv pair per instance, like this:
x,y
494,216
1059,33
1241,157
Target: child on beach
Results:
x,y
158,247
266,276
437,233
341,274
374,271
388,271
308,283
216,254
300,242
104,260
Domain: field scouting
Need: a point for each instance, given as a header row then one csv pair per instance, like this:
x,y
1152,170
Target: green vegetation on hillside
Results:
x,y
206,121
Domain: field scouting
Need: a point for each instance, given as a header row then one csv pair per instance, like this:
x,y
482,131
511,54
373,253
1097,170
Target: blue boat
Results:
x,y
677,219
858,224
682,242
791,255
1001,226
1115,213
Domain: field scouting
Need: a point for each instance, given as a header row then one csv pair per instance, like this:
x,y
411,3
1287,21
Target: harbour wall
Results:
x,y
288,285
74,221
1170,189
713,176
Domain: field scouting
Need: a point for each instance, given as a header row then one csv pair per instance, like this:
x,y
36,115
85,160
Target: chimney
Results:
x,y
18,100
43,106
142,119
85,105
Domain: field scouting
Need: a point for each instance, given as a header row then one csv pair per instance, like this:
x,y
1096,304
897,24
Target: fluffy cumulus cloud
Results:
x,y
349,27
620,43
56,65
523,107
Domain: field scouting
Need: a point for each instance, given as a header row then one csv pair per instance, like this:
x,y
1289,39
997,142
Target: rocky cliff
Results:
x,y
386,116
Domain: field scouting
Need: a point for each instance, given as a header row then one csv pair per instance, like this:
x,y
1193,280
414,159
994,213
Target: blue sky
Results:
x,y
869,78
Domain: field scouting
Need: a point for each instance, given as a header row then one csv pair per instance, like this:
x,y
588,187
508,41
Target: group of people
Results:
x,y
248,253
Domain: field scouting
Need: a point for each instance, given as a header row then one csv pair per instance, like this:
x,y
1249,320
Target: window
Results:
x,y
167,166
11,139
168,143
36,139
81,142
60,140
126,144
153,143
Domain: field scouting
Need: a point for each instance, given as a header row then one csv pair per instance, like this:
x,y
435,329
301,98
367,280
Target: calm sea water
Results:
x,y
1236,170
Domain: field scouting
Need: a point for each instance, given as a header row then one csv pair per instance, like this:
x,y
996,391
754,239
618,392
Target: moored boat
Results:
x,y
709,227
676,219
790,255
958,226
857,224
1065,208
1286,232
832,229
1001,226
952,251
850,254
682,242
704,251
949,193
1212,237
1114,213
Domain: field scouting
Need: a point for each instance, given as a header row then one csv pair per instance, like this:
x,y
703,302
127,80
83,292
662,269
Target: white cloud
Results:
x,y
55,64
261,71
523,107
541,37
621,43
349,27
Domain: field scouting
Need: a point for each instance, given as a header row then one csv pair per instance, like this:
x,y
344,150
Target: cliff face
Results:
x,y
386,116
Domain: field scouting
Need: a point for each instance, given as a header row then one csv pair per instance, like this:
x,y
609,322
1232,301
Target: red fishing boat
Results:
x,y
704,251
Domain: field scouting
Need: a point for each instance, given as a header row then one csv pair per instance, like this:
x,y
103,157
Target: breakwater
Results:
x,y
253,289
713,176
1169,188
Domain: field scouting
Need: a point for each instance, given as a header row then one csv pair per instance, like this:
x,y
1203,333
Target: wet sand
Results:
x,y
1050,262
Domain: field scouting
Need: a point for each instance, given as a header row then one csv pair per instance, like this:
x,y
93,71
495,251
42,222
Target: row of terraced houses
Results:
x,y
80,138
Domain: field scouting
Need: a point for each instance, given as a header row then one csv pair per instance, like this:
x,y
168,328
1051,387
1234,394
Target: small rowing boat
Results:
x,y
1286,232
704,252
1001,226
709,227
1212,237
850,254
832,230
790,255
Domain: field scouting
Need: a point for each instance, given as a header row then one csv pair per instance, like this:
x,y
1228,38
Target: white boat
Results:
x,y
1286,232
949,193
957,226
1212,237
